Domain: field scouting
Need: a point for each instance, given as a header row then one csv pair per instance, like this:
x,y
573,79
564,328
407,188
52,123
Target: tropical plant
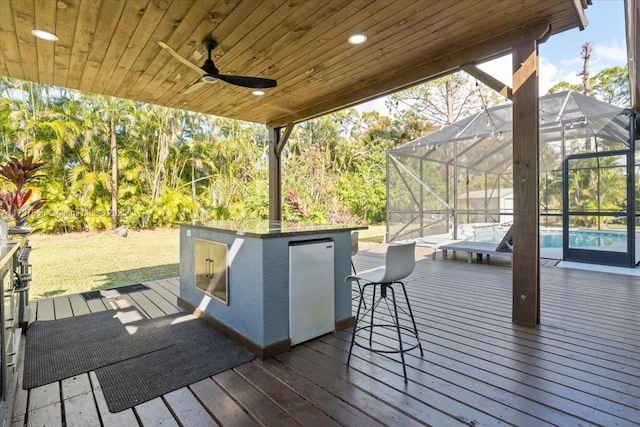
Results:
x,y
15,203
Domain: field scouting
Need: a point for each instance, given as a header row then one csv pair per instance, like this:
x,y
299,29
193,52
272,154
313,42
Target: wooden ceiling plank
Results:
x,y
88,15
230,40
382,35
319,30
66,18
227,112
175,74
278,31
163,64
131,15
9,41
45,19
240,57
139,39
160,61
380,63
330,62
24,21
323,36
3,66
416,75
106,24
257,16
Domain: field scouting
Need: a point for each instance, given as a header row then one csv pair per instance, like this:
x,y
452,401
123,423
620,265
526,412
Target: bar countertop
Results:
x,y
267,229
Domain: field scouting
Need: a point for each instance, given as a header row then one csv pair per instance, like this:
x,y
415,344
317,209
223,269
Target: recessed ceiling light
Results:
x,y
44,35
357,38
258,92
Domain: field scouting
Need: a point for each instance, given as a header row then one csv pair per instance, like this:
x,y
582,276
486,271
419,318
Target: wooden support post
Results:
x,y
526,219
277,142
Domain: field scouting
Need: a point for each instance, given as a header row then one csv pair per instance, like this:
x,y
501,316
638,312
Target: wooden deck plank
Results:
x,y
187,409
45,395
297,406
557,348
81,411
46,416
562,359
225,410
146,305
165,306
336,408
121,302
476,392
110,419
45,310
389,383
62,307
96,305
75,386
172,285
259,405
21,396
164,293
155,413
78,305
44,408
374,405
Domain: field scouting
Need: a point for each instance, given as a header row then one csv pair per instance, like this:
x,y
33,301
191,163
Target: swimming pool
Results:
x,y
553,238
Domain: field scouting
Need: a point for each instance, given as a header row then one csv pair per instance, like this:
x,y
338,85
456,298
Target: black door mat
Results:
x,y
63,348
111,292
198,352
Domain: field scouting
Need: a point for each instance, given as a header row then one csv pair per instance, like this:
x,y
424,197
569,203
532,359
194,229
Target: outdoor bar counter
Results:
x,y
267,283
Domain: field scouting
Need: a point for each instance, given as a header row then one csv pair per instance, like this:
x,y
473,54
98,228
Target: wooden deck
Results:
x,y
581,367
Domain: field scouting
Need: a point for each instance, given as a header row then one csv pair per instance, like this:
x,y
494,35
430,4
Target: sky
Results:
x,y
561,56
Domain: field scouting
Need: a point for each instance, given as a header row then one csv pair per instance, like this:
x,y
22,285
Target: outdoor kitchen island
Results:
x,y
267,284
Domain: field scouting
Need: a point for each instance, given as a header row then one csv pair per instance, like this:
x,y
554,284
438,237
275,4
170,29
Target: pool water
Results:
x,y
553,238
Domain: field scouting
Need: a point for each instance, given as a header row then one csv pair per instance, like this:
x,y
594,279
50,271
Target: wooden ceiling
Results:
x,y
110,47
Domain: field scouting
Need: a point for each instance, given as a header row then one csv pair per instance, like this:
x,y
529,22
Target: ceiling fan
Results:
x,y
210,74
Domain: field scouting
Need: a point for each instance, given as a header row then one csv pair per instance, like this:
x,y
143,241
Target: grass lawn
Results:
x,y
79,262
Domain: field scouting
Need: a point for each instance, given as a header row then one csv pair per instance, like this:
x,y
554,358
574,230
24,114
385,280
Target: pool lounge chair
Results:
x,y
504,248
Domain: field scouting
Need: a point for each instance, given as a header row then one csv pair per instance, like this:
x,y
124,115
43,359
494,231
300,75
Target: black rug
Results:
x,y
198,352
106,293
63,348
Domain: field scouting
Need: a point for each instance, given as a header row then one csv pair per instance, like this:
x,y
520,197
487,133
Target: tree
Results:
x,y
443,101
610,85
586,56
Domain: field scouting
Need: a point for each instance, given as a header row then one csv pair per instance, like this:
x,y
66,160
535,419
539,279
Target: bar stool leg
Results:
x,y
397,323
355,327
413,320
373,309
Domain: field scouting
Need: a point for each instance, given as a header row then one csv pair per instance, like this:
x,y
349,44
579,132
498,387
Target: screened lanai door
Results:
x,y
598,223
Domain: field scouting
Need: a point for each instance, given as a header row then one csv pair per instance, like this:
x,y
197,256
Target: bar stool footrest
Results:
x,y
391,327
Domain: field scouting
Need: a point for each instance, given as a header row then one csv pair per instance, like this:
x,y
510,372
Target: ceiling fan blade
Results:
x,y
250,82
195,86
180,58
